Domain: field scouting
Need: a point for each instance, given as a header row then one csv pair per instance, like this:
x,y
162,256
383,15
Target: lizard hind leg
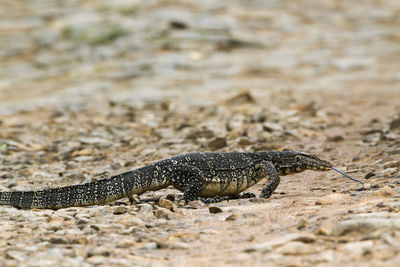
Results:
x,y
190,179
267,170
187,178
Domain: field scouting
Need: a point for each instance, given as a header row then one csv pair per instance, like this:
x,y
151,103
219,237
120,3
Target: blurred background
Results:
x,y
82,54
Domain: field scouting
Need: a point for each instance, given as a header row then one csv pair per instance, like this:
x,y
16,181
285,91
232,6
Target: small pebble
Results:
x,y
369,175
302,224
389,172
394,124
146,210
119,210
332,198
231,217
386,191
165,203
214,209
391,164
322,231
217,143
336,138
58,240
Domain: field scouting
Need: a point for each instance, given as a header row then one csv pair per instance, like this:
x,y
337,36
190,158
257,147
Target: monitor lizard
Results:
x,y
201,175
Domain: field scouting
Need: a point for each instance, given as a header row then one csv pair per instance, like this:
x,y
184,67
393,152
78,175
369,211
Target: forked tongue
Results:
x,y
351,178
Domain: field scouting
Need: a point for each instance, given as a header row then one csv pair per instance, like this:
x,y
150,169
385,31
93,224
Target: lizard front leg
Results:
x,y
266,169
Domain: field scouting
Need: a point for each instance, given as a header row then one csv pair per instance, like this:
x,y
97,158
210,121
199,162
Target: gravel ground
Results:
x,y
89,89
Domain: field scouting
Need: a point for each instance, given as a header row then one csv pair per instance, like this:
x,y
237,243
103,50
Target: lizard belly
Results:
x,y
157,185
213,189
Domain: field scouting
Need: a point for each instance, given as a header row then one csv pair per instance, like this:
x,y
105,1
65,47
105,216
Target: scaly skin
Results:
x,y
199,175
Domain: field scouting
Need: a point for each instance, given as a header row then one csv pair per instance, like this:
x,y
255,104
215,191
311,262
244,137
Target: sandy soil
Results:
x,y
89,90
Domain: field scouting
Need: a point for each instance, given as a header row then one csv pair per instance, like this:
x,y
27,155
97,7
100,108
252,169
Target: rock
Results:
x,y
217,143
204,133
336,138
101,251
119,210
367,186
236,122
391,164
390,240
167,204
385,191
81,220
244,141
177,25
94,34
322,231
83,158
369,175
146,210
149,246
129,220
83,152
179,245
53,257
242,98
58,240
296,248
214,209
278,259
55,226
197,204
162,213
230,217
394,124
389,172
356,249
332,199
16,255
259,200
278,241
126,244
364,225
394,151
302,224
97,260
305,238
349,64
363,187
271,127
241,258
95,227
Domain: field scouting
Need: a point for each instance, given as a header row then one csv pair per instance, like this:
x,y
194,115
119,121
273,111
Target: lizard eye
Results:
x,y
297,159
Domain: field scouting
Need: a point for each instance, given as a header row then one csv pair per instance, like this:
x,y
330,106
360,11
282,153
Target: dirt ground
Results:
x,y
89,89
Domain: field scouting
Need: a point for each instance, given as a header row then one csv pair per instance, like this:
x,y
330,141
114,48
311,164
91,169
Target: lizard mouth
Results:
x,y
321,165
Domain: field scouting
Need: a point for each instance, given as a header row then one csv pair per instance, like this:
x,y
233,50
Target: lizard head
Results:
x,y
290,162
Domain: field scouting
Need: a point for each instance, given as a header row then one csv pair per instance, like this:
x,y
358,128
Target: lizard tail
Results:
x,y
93,193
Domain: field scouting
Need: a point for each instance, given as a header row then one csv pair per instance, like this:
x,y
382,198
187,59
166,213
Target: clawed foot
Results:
x,y
215,199
247,195
265,194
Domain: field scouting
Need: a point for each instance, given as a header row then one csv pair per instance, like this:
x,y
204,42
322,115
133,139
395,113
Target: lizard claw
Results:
x,y
215,199
265,194
247,195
